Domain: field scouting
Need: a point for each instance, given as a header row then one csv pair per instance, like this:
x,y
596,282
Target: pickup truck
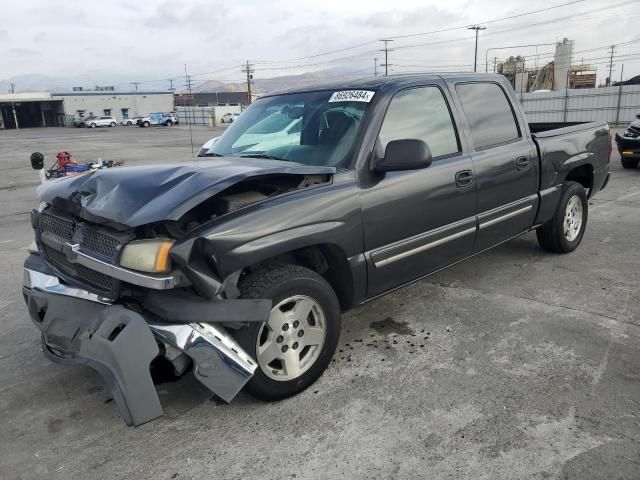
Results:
x,y
238,267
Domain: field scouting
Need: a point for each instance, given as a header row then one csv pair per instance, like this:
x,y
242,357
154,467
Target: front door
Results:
x,y
505,162
416,222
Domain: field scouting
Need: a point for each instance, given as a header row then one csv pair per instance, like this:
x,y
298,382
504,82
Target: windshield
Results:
x,y
313,128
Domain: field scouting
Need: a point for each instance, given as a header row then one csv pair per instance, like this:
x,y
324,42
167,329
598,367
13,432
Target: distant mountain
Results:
x,y
264,85
35,82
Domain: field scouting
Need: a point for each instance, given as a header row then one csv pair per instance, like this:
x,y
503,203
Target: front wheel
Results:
x,y
294,347
145,124
93,125
629,162
564,232
168,124
112,124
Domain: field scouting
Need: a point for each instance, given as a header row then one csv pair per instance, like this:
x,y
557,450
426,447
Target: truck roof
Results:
x,y
390,82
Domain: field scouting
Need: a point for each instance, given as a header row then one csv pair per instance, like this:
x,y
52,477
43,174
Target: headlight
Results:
x,y
147,255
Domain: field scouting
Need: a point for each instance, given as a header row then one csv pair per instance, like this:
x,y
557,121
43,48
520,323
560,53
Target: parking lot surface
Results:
x,y
514,364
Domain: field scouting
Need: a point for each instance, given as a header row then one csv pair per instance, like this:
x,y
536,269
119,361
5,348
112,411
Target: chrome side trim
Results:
x,y
422,248
42,282
115,271
219,362
502,218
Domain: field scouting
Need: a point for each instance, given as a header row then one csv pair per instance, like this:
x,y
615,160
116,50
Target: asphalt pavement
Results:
x,y
514,364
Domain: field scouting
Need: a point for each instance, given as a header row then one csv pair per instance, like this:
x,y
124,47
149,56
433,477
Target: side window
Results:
x,y
489,113
421,114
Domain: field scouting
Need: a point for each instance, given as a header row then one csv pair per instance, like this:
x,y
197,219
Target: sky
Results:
x,y
118,42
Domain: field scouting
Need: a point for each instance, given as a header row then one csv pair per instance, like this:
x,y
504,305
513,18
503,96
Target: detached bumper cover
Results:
x,y
79,327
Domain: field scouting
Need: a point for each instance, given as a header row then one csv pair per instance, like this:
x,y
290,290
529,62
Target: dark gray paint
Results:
x,y
366,216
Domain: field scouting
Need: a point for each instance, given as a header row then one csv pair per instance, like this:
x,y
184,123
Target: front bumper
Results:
x,y
628,147
80,327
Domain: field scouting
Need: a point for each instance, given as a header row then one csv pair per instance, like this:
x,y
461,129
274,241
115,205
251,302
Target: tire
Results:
x,y
93,125
629,162
145,124
168,123
296,287
564,232
112,124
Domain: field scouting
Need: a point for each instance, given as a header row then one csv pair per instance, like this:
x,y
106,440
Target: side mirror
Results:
x,y
37,161
404,155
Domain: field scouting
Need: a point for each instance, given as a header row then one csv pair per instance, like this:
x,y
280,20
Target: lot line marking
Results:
x,y
627,196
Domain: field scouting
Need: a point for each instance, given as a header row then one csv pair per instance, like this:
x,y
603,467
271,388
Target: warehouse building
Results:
x,y
209,99
44,109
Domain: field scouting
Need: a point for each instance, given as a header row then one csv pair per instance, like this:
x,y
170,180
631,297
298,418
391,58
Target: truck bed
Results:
x,y
561,145
552,129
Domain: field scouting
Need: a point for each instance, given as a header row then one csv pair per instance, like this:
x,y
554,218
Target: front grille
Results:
x,y
93,240
96,242
62,227
95,279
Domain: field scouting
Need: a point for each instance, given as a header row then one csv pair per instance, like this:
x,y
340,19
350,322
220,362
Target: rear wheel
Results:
x,y
630,162
169,123
564,232
112,124
294,347
93,125
145,124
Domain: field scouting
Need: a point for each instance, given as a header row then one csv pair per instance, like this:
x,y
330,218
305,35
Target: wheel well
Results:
x,y
583,175
327,260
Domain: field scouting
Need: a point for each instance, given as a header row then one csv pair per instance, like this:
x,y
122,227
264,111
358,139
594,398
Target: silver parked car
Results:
x,y
105,121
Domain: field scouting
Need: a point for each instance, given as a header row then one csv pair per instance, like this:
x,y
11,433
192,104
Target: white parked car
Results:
x,y
229,117
93,122
130,121
204,151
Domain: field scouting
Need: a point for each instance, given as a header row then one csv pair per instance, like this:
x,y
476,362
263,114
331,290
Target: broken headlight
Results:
x,y
147,255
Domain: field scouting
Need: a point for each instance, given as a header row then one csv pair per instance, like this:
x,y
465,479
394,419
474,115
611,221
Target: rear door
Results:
x,y
418,221
505,162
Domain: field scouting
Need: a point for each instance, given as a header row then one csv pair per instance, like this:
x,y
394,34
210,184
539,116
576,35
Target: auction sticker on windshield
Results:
x,y
352,96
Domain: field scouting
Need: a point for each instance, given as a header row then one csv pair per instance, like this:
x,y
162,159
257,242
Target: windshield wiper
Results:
x,y
266,156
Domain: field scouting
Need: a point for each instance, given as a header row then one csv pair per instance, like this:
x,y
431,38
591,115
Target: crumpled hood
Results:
x,y
134,196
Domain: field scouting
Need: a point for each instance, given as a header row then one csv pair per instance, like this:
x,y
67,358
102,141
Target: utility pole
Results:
x,y
375,67
495,63
13,107
135,85
248,69
477,28
613,49
170,80
386,51
187,77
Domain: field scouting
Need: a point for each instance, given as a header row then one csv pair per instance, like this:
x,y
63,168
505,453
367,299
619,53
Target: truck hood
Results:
x,y
134,196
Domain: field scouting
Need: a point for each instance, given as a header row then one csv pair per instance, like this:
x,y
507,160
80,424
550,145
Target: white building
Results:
x,y
121,105
44,109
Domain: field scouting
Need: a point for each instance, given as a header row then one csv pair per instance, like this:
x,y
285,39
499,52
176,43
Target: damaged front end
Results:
x,y
80,327
115,312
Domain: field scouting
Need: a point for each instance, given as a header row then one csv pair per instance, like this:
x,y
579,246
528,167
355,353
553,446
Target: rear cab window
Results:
x,y
489,113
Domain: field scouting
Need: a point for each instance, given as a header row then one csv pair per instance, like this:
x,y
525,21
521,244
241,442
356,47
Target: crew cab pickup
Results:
x,y
238,267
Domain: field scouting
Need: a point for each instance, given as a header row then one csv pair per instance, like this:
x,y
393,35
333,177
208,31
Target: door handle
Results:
x,y
464,178
522,163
